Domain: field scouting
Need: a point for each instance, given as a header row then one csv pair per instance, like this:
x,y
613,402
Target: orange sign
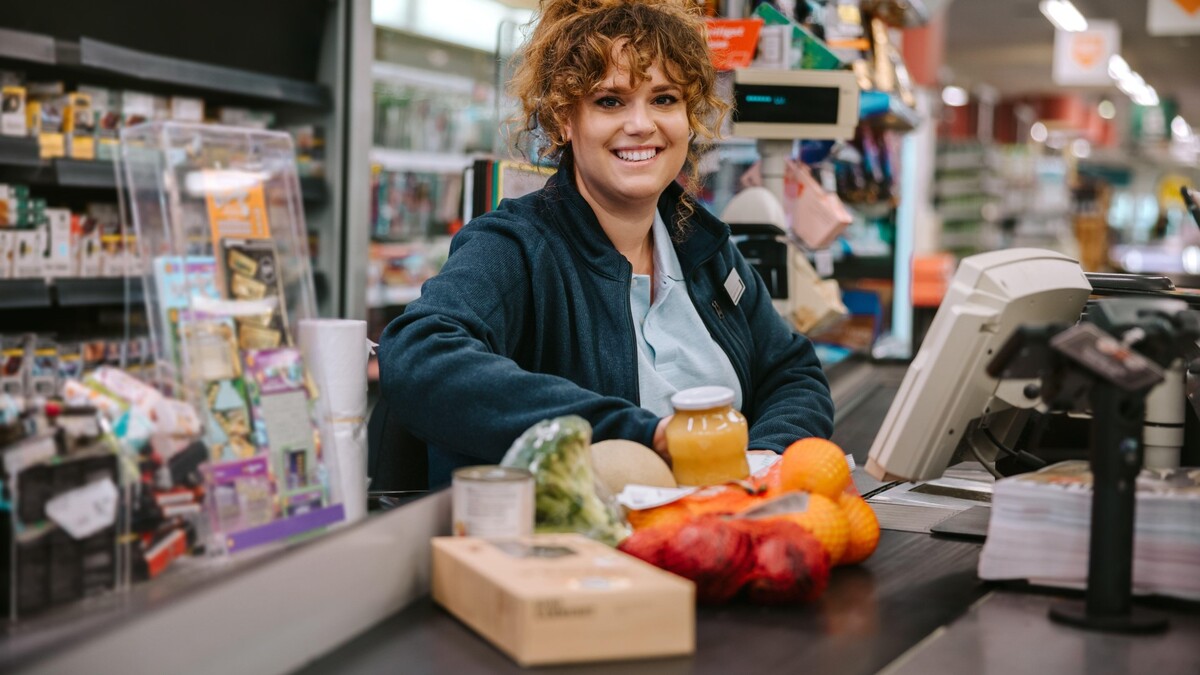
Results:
x,y
733,42
1088,48
1189,6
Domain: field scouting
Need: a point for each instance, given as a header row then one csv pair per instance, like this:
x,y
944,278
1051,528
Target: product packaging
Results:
x,y
551,599
79,125
59,259
12,111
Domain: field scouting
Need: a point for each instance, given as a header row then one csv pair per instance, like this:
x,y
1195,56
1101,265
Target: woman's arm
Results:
x,y
447,363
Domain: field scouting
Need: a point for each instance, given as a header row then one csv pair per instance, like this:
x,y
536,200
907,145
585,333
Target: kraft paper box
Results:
x,y
563,598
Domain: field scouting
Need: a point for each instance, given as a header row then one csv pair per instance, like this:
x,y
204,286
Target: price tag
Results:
x,y
85,511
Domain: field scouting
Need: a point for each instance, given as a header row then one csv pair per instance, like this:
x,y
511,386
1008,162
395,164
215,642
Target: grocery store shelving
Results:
x,y
91,55
69,292
392,296
394,73
23,46
411,160
19,162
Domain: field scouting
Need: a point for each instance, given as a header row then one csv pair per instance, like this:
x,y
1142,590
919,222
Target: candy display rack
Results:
x,y
220,222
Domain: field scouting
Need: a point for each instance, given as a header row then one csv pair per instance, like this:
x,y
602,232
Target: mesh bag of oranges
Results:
x,y
809,486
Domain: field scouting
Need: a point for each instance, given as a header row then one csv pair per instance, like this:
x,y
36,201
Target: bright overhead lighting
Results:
x,y
954,97
1038,132
1180,128
1106,109
1063,15
1118,69
1147,96
1081,148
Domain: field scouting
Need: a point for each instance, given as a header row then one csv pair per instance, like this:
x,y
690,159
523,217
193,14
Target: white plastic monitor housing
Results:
x,y
797,104
947,386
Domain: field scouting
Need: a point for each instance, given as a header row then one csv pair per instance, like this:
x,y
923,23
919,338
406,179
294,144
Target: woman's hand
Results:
x,y
660,439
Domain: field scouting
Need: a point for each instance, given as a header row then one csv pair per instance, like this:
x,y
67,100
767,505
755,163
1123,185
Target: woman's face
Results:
x,y
629,144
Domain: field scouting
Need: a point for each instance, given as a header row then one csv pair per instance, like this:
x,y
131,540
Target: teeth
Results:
x,y
636,155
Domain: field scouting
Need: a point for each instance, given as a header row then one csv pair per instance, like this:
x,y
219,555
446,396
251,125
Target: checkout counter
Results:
x,y
356,601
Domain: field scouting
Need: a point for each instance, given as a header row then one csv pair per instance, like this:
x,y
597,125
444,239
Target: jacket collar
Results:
x,y
578,224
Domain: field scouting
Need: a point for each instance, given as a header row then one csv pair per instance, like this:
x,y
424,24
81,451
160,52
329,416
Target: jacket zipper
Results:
x,y
637,381
722,334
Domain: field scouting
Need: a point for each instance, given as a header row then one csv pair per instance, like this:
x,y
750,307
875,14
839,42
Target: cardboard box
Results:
x,y
563,599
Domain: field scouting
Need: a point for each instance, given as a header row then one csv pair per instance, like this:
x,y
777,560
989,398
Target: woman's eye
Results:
x,y
666,99
608,102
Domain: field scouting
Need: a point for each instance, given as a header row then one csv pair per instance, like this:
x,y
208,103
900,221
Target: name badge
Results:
x,y
734,286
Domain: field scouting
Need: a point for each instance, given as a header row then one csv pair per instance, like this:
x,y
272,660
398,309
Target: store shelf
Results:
x,y
69,292
392,296
424,162
22,46
82,292
142,66
24,293
85,173
19,150
394,73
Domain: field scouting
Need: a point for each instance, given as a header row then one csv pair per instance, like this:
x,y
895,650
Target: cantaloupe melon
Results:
x,y
619,463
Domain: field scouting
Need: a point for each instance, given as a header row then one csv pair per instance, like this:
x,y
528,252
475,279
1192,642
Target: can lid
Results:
x,y
702,398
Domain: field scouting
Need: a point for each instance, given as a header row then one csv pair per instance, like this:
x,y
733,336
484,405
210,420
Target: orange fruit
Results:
x,y
864,529
825,520
815,465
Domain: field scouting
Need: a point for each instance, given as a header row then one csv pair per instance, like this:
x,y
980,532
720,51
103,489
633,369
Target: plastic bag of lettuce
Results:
x,y
567,496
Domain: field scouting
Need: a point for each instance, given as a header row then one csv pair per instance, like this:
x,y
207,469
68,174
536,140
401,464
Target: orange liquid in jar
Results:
x,y
708,446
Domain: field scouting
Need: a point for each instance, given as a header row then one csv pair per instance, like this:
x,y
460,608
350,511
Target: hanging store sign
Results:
x,y
1081,58
732,42
1173,17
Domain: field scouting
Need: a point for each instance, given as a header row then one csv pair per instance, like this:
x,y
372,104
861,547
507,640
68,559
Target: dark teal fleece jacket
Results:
x,y
529,319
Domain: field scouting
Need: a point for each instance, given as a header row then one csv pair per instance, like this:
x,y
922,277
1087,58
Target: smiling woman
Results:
x,y
606,292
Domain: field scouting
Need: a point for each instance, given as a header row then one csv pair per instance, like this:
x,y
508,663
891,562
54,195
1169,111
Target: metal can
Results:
x,y
492,502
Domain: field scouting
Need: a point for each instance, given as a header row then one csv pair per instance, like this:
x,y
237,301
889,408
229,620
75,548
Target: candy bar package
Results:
x,y
251,274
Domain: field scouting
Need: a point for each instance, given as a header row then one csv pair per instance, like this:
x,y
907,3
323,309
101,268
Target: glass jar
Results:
x,y
707,438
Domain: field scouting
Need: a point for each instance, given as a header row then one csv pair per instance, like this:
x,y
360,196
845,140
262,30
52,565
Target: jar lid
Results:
x,y
702,398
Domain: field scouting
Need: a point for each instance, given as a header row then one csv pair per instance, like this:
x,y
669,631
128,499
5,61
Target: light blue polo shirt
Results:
x,y
675,350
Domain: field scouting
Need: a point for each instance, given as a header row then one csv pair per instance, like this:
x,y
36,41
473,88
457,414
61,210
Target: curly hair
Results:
x,y
573,45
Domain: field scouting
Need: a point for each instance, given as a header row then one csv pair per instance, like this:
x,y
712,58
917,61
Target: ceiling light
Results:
x,y
1180,128
1106,109
1063,15
1081,148
1038,132
1147,96
1118,68
954,97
